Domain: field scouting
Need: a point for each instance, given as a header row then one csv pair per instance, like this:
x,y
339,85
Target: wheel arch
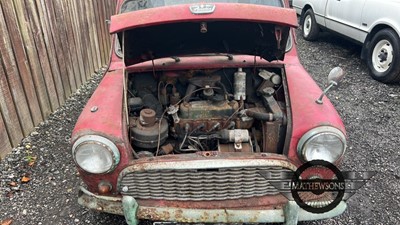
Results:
x,y
371,34
305,8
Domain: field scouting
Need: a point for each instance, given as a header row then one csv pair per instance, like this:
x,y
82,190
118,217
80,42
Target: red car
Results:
x,y
197,100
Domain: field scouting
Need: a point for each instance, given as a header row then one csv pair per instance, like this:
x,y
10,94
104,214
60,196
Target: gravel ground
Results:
x,y
45,192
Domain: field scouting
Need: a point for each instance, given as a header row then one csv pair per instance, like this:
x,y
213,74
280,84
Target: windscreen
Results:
x,y
133,5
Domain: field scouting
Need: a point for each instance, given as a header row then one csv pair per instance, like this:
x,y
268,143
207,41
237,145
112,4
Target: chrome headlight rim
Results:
x,y
101,141
316,132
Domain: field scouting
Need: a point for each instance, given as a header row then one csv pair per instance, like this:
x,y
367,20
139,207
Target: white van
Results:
x,y
375,24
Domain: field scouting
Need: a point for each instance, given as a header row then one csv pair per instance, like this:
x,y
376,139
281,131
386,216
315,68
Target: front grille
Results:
x,y
199,185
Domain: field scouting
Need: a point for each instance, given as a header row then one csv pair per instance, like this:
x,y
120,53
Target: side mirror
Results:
x,y
334,78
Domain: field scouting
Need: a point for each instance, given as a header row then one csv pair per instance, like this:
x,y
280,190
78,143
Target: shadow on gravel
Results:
x,y
337,40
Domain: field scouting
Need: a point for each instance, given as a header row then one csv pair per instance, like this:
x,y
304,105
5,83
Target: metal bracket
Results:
x,y
130,207
291,210
278,36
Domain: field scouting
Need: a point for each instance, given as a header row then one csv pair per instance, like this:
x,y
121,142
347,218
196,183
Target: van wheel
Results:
x,y
309,26
384,56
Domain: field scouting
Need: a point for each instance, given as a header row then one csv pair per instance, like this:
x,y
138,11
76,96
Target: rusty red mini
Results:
x,y
197,100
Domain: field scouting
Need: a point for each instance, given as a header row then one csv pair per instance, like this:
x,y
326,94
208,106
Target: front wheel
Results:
x,y
309,26
384,56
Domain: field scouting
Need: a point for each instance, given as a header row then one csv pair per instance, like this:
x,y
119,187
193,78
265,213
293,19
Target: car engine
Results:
x,y
226,110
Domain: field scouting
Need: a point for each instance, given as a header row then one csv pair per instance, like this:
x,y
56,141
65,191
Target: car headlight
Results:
x,y
323,143
95,154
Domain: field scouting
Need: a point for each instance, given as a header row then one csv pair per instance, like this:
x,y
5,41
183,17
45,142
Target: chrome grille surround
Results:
x,y
201,180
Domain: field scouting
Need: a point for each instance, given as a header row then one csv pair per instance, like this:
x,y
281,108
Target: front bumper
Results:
x,y
290,214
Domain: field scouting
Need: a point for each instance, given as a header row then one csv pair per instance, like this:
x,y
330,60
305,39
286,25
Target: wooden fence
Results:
x,y
48,48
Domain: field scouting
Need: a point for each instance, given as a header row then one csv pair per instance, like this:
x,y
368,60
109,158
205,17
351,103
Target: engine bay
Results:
x,y
226,110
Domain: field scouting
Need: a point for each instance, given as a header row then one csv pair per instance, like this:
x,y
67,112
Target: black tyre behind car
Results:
x,y
383,56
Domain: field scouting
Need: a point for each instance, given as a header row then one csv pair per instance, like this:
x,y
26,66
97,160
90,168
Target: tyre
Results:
x,y
309,26
383,58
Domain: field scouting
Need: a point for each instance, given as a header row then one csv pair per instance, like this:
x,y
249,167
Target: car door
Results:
x,y
344,17
319,10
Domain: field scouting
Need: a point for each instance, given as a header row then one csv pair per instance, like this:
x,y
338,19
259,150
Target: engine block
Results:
x,y
207,109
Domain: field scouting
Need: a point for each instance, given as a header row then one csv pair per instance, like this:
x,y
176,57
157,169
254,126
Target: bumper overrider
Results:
x,y
212,190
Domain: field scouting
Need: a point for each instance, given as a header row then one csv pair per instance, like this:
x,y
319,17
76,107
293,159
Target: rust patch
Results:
x,y
216,216
179,214
246,147
255,217
264,202
205,217
207,153
271,136
147,213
